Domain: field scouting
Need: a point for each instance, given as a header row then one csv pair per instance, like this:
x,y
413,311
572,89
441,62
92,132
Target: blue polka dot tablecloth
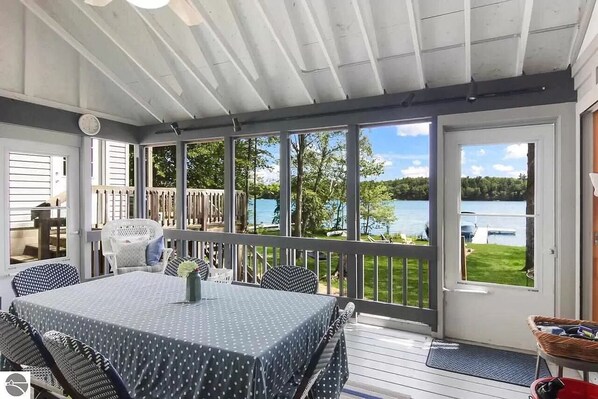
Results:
x,y
237,342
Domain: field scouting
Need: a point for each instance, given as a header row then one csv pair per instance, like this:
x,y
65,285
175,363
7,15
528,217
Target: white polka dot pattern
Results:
x,y
43,278
237,342
290,278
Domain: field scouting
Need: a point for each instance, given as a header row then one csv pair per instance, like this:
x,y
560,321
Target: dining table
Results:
x,y
236,342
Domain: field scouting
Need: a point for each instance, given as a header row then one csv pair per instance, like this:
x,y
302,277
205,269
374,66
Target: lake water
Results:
x,y
413,215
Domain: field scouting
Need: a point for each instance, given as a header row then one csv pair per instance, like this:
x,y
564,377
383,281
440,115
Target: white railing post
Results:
x,y
181,193
285,192
140,181
229,201
85,205
354,283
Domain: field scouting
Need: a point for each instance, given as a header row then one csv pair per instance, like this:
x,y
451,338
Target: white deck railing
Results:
x,y
388,279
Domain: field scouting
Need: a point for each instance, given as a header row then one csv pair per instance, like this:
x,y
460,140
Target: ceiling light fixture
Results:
x,y
236,125
472,92
176,129
149,4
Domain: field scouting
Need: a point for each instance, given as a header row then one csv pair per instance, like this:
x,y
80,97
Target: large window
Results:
x,y
318,184
257,184
394,183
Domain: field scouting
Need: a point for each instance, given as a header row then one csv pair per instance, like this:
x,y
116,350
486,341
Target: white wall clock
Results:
x,y
89,124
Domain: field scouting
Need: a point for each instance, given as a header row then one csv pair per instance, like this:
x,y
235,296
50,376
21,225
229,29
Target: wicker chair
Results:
x,y
173,265
290,278
320,358
88,372
44,278
133,230
24,350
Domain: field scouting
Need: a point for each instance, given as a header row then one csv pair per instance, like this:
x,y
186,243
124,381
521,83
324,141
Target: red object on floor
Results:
x,y
574,389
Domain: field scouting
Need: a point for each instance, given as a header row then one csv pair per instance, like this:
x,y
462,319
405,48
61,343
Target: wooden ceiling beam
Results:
x,y
467,26
522,46
311,15
582,29
167,41
32,6
286,52
97,20
369,44
416,44
230,54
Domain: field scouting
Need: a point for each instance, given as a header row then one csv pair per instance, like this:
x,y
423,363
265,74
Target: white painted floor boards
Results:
x,y
396,361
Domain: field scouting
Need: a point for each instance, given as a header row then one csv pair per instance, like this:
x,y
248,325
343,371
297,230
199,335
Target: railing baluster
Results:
x,y
341,274
254,264
317,265
95,247
220,255
265,260
245,262
420,277
405,281
389,273
375,278
305,258
211,249
328,273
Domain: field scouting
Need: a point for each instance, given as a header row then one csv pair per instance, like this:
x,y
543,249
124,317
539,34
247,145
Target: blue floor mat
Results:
x,y
491,364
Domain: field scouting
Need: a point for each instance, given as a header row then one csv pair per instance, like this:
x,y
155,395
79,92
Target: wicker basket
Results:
x,y
560,346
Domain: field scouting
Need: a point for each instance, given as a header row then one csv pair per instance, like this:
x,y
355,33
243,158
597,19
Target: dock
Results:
x,y
482,233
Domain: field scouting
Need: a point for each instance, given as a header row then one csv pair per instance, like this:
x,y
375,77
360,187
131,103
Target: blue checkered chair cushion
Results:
x,y
44,278
173,265
88,372
319,359
24,349
290,278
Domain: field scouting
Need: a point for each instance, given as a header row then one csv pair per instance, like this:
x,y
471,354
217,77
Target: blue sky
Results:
x,y
404,149
405,152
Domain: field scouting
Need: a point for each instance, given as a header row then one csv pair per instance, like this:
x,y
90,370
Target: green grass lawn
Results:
x,y
487,263
501,264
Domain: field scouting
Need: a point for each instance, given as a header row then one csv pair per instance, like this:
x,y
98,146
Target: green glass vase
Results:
x,y
193,292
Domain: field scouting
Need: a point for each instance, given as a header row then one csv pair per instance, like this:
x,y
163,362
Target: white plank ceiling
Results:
x,y
145,66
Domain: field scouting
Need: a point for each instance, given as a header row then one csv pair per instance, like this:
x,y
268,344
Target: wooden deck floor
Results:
x,y
395,361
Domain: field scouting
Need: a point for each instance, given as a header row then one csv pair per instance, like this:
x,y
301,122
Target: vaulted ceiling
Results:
x,y
231,56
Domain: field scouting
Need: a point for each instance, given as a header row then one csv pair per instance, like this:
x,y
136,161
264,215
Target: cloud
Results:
x,y
269,174
502,168
515,151
463,160
482,152
477,170
416,171
416,129
417,162
399,157
381,158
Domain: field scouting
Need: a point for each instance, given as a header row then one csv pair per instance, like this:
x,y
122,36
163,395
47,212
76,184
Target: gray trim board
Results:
x,y
23,113
522,91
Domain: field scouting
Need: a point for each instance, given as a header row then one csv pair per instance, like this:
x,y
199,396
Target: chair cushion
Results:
x,y
129,253
154,250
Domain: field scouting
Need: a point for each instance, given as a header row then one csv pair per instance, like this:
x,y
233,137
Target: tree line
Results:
x,y
417,188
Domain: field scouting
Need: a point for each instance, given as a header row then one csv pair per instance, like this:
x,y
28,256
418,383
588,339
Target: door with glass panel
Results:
x,y
499,233
41,201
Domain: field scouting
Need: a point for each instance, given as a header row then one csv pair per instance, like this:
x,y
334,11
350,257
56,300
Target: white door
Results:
x,y
499,233
41,203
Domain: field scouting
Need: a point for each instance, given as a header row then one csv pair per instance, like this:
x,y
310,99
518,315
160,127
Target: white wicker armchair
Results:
x,y
132,230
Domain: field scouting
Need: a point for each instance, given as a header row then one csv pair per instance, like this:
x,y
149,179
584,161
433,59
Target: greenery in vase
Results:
x,y
186,268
